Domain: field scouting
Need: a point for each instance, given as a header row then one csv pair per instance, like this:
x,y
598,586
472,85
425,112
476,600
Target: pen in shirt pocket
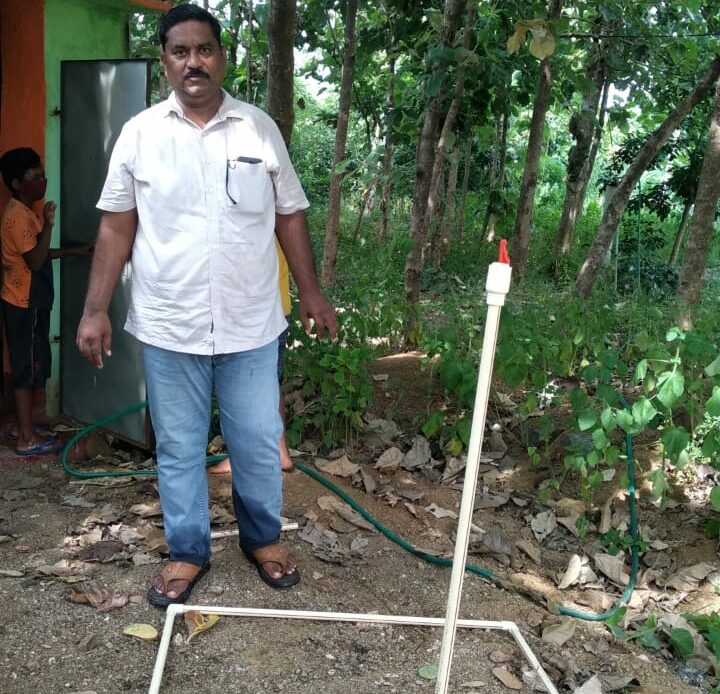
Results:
x,y
248,160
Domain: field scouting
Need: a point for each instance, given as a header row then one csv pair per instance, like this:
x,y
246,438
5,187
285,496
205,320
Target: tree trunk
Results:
x,y
280,28
425,160
521,234
438,175
248,54
460,228
448,220
579,167
703,218
597,137
680,233
334,196
388,155
616,208
488,227
365,197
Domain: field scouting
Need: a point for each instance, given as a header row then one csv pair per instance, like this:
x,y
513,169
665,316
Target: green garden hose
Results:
x,y
438,561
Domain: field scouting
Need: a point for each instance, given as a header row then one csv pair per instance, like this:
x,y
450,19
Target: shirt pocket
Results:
x,y
247,179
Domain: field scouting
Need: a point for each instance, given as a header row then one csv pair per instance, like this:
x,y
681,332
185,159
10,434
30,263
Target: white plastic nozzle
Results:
x,y
498,283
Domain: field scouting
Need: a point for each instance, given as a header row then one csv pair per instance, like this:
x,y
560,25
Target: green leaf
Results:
x,y
608,419
587,420
713,368
625,421
643,412
648,638
463,428
659,483
675,440
433,425
682,641
616,618
641,370
600,439
428,672
712,407
671,386
715,497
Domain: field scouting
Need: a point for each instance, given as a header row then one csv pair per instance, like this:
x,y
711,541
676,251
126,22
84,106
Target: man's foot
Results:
x,y
275,565
175,583
286,463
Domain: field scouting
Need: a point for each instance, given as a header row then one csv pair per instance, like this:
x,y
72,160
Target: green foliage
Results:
x,y
614,542
333,382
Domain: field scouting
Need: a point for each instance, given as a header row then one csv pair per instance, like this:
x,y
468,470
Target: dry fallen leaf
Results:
x,y
690,577
144,632
606,516
100,597
147,510
507,678
439,512
154,538
368,481
391,458
197,622
530,549
498,656
612,567
569,507
592,686
347,513
419,453
558,634
572,573
342,467
543,524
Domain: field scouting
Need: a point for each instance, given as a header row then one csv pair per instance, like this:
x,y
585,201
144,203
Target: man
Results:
x,y
197,188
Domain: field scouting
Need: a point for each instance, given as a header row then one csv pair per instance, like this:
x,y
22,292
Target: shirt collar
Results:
x,y
229,108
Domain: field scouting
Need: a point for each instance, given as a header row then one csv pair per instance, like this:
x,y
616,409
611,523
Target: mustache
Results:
x,y
196,73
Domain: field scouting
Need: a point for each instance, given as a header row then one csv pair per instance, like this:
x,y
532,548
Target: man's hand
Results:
x,y
94,338
49,213
316,308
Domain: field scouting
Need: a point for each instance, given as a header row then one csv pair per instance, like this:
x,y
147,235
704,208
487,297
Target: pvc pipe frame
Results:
x,y
175,610
219,534
498,284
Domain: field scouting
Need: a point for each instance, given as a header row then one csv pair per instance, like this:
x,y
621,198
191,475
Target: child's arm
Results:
x,y
36,256
85,249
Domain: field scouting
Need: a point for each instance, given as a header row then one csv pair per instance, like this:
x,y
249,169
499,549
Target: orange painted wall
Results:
x,y
22,111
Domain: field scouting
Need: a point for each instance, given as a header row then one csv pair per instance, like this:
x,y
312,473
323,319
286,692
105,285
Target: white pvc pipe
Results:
x,y
219,534
498,285
174,610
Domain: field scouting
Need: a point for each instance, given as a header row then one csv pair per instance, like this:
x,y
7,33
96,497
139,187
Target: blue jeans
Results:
x,y
180,388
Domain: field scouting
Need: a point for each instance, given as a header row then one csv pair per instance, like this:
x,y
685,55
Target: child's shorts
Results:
x,y
28,340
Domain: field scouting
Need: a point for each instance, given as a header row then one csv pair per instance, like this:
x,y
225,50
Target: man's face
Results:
x,y
194,62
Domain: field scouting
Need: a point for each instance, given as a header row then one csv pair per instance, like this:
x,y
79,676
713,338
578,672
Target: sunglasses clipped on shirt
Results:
x,y
233,164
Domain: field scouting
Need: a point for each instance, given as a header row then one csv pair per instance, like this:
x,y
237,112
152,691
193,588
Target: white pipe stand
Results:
x,y
498,285
175,610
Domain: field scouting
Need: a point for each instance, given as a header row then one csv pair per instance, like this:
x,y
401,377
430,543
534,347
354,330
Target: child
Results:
x,y
26,293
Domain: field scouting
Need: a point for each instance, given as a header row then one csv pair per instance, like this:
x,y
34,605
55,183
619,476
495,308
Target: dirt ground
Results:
x,y
58,532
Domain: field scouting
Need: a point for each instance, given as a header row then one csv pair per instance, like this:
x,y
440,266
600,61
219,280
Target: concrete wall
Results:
x,y
22,107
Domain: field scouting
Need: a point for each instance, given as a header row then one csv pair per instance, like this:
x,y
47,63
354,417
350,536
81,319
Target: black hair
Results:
x,y
16,162
186,13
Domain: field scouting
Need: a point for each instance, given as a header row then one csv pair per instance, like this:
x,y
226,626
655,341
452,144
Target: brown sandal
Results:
x,y
274,554
176,571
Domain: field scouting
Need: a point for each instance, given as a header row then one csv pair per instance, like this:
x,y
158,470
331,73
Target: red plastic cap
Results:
x,y
503,256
